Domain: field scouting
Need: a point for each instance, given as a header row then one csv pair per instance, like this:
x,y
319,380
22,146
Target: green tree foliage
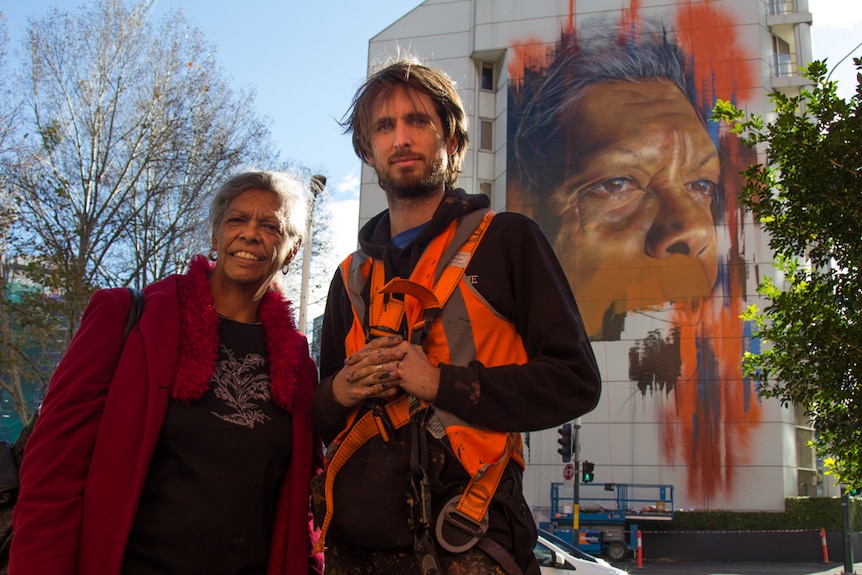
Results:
x,y
808,197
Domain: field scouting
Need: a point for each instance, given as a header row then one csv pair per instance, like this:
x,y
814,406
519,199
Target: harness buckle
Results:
x,y
419,501
384,424
457,532
420,331
376,331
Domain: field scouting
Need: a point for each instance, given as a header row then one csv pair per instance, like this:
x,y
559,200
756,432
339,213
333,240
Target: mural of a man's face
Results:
x,y
636,227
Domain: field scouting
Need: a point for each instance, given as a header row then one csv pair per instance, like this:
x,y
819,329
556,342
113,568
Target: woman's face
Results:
x,y
251,240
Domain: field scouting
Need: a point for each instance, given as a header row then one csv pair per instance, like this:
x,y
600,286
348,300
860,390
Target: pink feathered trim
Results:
x,y
286,347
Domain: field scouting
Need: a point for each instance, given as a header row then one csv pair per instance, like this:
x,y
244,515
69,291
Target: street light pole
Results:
x,y
845,531
316,187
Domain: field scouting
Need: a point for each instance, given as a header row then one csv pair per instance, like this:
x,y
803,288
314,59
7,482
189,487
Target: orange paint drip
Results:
x,y
530,54
630,18
709,36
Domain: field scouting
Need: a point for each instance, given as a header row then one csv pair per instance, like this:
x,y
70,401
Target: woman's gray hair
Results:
x,y
289,188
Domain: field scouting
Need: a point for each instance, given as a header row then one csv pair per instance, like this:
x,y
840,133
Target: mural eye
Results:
x,y
612,188
705,188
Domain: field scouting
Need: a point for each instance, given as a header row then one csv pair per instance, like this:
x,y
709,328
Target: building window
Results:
x,y
782,58
485,188
487,77
486,135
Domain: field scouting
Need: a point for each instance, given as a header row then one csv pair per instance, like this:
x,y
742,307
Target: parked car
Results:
x,y
559,557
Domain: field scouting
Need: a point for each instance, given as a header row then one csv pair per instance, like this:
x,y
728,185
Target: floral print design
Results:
x,y
242,385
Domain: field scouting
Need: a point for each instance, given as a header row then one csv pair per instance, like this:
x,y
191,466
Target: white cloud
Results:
x,y
345,223
836,13
348,185
344,209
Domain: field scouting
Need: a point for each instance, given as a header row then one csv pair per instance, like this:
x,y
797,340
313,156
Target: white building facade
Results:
x,y
676,408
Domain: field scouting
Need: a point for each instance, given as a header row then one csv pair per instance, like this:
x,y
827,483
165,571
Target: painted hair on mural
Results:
x,y
644,52
409,73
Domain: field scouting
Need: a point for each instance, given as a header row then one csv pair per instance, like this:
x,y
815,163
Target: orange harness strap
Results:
x,y
365,428
476,499
461,524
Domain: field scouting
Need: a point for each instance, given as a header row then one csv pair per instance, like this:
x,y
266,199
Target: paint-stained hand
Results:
x,y
415,374
370,372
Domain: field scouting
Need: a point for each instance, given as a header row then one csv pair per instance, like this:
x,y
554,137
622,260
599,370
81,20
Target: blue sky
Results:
x,y
306,59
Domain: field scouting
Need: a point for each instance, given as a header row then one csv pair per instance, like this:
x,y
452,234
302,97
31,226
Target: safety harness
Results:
x,y
484,454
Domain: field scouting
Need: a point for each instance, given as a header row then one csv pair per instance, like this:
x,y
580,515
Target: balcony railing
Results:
x,y
779,7
784,65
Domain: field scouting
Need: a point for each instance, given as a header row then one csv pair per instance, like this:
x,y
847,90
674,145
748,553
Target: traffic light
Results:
x,y
588,472
565,442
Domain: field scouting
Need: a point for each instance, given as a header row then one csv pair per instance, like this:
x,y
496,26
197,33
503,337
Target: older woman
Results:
x,y
190,449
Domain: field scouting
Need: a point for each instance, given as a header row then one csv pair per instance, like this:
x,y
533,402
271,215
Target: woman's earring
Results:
x,y
286,268
213,255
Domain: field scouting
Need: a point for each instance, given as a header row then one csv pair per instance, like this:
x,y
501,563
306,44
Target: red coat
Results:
x,y
87,459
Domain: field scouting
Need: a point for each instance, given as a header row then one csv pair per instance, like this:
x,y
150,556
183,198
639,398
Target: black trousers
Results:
x,y
345,560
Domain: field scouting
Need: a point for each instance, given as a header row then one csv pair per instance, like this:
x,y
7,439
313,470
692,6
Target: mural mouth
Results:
x,y
650,287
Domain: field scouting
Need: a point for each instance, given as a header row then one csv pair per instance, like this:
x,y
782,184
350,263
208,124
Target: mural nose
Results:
x,y
681,227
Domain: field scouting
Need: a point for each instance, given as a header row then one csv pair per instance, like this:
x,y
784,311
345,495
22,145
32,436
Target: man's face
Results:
x,y
636,228
409,151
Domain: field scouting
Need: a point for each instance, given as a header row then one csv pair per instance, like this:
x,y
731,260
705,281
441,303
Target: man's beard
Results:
x,y
410,188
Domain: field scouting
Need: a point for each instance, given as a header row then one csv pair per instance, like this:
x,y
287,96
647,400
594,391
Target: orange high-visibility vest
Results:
x,y
454,325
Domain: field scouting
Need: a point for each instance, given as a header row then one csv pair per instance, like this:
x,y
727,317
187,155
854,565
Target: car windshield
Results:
x,y
544,555
566,546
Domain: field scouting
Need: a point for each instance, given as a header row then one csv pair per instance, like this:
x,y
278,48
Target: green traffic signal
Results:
x,y
588,474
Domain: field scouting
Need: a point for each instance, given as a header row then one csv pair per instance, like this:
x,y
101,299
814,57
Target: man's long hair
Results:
x,y
409,73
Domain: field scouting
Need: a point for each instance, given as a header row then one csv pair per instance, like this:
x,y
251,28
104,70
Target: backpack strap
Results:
x,y
135,311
